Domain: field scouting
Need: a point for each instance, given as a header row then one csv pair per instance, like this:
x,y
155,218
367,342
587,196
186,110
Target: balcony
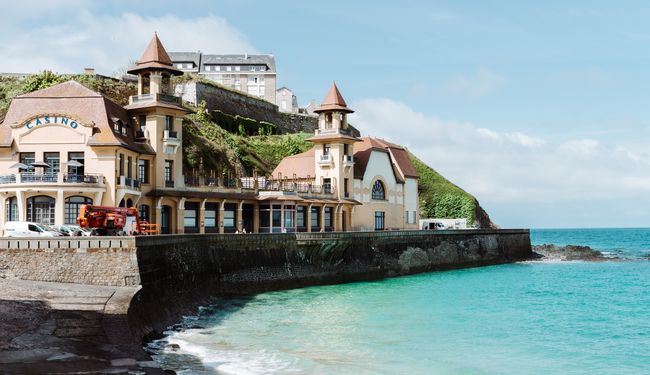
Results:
x,y
161,98
128,183
52,179
169,184
334,131
170,141
326,160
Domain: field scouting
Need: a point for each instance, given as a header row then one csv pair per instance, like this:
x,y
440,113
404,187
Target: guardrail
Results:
x,y
68,243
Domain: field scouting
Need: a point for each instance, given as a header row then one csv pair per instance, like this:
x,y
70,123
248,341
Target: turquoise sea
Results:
x,y
524,318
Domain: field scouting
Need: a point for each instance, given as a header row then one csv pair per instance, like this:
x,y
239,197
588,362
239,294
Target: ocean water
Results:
x,y
523,318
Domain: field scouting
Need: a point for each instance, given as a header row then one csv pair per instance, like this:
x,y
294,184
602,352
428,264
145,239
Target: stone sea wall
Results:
x,y
106,261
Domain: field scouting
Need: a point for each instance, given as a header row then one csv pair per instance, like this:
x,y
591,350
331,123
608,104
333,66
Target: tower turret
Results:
x,y
334,141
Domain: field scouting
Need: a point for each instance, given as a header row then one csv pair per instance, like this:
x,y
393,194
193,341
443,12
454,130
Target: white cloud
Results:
x,y
104,42
583,147
485,81
520,171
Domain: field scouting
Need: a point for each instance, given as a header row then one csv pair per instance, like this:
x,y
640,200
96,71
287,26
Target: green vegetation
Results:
x,y
10,87
440,198
208,146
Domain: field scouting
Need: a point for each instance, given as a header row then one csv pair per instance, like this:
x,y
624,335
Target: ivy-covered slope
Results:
x,y
439,198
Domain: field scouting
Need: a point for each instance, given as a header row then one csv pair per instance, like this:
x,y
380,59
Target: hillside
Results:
x,y
249,146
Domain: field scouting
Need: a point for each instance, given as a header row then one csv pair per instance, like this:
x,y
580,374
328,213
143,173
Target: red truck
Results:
x,y
110,221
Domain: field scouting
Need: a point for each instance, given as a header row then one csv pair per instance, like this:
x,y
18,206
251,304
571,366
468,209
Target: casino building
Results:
x,y
67,145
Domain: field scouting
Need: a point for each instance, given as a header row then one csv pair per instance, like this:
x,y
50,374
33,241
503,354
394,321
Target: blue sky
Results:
x,y
537,108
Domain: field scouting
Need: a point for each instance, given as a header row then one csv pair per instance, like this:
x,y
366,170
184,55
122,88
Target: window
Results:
x,y
315,218
210,220
228,68
327,185
129,160
142,120
378,191
252,68
415,217
72,207
262,68
284,104
265,218
191,217
380,218
229,216
277,216
407,217
289,214
54,160
168,170
328,218
326,149
40,209
143,171
143,212
300,217
121,165
76,169
11,209
208,68
217,68
169,123
237,68
27,158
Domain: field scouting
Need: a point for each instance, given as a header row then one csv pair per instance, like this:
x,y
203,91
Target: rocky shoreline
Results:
x,y
548,252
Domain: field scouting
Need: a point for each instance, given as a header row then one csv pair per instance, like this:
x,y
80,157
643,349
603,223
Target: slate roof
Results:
x,y
303,164
74,99
333,101
201,59
155,57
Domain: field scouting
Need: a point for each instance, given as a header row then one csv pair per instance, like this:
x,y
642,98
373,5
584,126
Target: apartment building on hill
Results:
x,y
254,75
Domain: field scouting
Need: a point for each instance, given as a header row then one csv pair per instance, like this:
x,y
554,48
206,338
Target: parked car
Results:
x,y
68,230
27,229
79,231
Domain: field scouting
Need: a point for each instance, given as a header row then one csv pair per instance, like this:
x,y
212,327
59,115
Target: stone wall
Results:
x,y
242,264
109,261
235,103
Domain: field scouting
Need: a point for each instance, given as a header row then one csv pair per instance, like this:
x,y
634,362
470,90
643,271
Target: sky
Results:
x,y
539,109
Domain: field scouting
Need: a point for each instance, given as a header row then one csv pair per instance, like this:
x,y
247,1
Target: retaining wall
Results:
x,y
235,103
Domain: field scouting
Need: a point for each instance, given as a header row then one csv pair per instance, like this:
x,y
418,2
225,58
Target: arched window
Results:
x,y
40,209
378,191
72,206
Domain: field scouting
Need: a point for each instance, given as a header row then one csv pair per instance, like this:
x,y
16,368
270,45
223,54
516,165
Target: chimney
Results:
x,y
89,71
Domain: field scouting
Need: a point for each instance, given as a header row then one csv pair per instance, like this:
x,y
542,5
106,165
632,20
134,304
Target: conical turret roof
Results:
x,y
155,57
334,102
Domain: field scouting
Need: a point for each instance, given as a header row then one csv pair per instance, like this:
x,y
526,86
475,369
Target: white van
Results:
x,y
27,229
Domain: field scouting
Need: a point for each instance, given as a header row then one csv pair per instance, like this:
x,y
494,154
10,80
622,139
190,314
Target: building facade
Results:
x,y
254,75
286,100
67,145
374,174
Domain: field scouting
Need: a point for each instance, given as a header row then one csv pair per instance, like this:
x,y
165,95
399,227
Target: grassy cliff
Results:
x,y
209,147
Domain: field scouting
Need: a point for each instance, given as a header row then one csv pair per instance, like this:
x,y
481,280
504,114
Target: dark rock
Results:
x,y
568,252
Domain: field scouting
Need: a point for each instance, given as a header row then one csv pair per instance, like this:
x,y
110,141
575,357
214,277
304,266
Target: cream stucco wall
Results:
x,y
363,217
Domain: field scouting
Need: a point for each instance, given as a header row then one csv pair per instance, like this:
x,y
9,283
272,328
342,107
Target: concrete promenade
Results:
x,y
58,328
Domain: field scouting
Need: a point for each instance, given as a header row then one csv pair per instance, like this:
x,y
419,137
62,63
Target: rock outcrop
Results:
x,y
567,253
